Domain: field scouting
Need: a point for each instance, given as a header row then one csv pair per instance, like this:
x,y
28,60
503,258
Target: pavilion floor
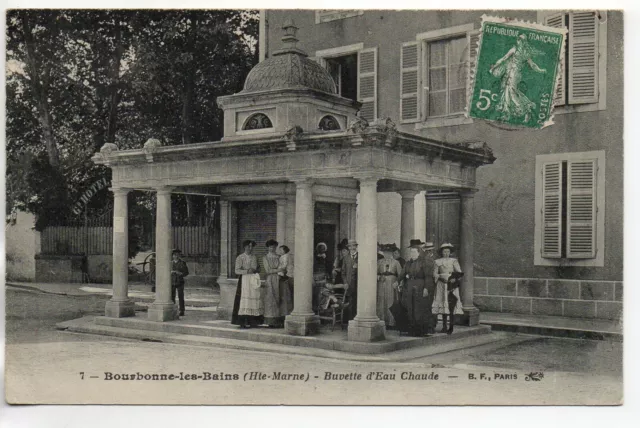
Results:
x,y
200,328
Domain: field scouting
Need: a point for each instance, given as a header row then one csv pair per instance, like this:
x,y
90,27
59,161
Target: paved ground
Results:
x,y
47,366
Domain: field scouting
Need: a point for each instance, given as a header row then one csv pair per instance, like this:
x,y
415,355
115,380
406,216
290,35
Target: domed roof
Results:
x,y
289,68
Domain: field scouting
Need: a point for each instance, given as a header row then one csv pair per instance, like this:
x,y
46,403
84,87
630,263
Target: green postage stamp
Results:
x,y
517,72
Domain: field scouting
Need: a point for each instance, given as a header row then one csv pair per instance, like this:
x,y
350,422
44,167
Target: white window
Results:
x,y
569,226
583,77
355,72
332,15
434,73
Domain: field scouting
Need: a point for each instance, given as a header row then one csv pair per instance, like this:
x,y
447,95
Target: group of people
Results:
x,y
420,289
269,303
411,294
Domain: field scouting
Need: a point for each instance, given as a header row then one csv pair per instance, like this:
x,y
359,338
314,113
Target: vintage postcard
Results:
x,y
314,207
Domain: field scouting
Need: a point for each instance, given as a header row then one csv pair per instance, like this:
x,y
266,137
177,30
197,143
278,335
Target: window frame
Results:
x,y
602,68
424,39
323,16
357,48
598,260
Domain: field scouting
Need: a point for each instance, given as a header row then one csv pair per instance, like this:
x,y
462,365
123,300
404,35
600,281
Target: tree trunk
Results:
x,y
114,88
39,82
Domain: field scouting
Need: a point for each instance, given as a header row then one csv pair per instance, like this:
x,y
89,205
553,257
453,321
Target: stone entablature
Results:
x,y
377,149
382,163
273,191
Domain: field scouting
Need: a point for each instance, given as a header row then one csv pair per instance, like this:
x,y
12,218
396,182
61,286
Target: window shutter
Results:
x,y
551,209
557,20
367,83
581,209
583,57
410,82
473,37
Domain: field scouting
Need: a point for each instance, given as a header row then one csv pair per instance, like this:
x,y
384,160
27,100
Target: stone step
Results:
x,y
88,325
575,328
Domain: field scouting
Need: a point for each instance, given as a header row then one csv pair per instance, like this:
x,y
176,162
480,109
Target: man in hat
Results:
x,y
427,249
179,270
350,275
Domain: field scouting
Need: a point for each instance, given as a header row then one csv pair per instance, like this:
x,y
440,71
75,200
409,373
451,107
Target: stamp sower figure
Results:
x,y
179,270
272,298
248,307
418,285
442,270
513,103
350,275
389,273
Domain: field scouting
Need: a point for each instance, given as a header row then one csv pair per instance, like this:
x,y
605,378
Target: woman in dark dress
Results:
x,y
418,284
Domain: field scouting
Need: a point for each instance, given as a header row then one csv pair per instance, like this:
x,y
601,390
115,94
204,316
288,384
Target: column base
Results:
x,y
301,325
161,312
366,331
471,316
119,309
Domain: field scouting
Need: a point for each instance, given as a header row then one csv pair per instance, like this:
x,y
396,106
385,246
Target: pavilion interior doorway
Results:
x,y
326,233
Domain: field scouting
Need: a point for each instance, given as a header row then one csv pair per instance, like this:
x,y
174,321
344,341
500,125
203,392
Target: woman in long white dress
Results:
x,y
442,270
272,298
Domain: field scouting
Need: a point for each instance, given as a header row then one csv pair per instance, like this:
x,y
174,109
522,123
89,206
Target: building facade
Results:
x,y
548,226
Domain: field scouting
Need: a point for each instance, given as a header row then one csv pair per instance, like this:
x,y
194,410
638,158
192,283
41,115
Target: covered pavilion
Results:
x,y
289,138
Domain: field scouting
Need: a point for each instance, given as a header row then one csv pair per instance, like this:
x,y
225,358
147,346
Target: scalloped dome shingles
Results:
x,y
289,70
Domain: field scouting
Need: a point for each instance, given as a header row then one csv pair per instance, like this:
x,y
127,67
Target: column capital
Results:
x,y
120,191
281,201
303,182
367,179
467,194
408,194
224,203
163,190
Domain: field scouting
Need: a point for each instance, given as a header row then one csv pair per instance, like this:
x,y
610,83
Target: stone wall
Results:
x,y
22,243
559,297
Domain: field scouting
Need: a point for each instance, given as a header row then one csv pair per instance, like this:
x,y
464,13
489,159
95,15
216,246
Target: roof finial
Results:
x,y
289,39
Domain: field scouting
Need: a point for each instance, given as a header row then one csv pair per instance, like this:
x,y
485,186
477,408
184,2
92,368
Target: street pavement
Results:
x,y
44,365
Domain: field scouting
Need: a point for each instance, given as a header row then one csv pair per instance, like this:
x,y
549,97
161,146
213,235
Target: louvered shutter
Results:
x,y
473,37
583,58
257,222
367,83
410,82
581,209
551,209
557,20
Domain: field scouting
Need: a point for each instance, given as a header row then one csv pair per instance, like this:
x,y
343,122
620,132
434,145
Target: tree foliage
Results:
x,y
76,79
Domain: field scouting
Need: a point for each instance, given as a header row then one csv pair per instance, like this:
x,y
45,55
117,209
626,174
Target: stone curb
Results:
x,y
188,302
563,332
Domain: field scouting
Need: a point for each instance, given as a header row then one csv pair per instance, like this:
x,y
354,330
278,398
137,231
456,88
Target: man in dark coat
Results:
x,y
179,270
350,276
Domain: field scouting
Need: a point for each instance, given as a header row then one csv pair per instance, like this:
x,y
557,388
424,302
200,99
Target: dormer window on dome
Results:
x,y
329,123
257,121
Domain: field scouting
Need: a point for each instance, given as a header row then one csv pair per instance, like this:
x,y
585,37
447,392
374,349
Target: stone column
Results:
x,y
224,239
471,313
302,321
366,326
281,221
163,309
407,220
119,305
